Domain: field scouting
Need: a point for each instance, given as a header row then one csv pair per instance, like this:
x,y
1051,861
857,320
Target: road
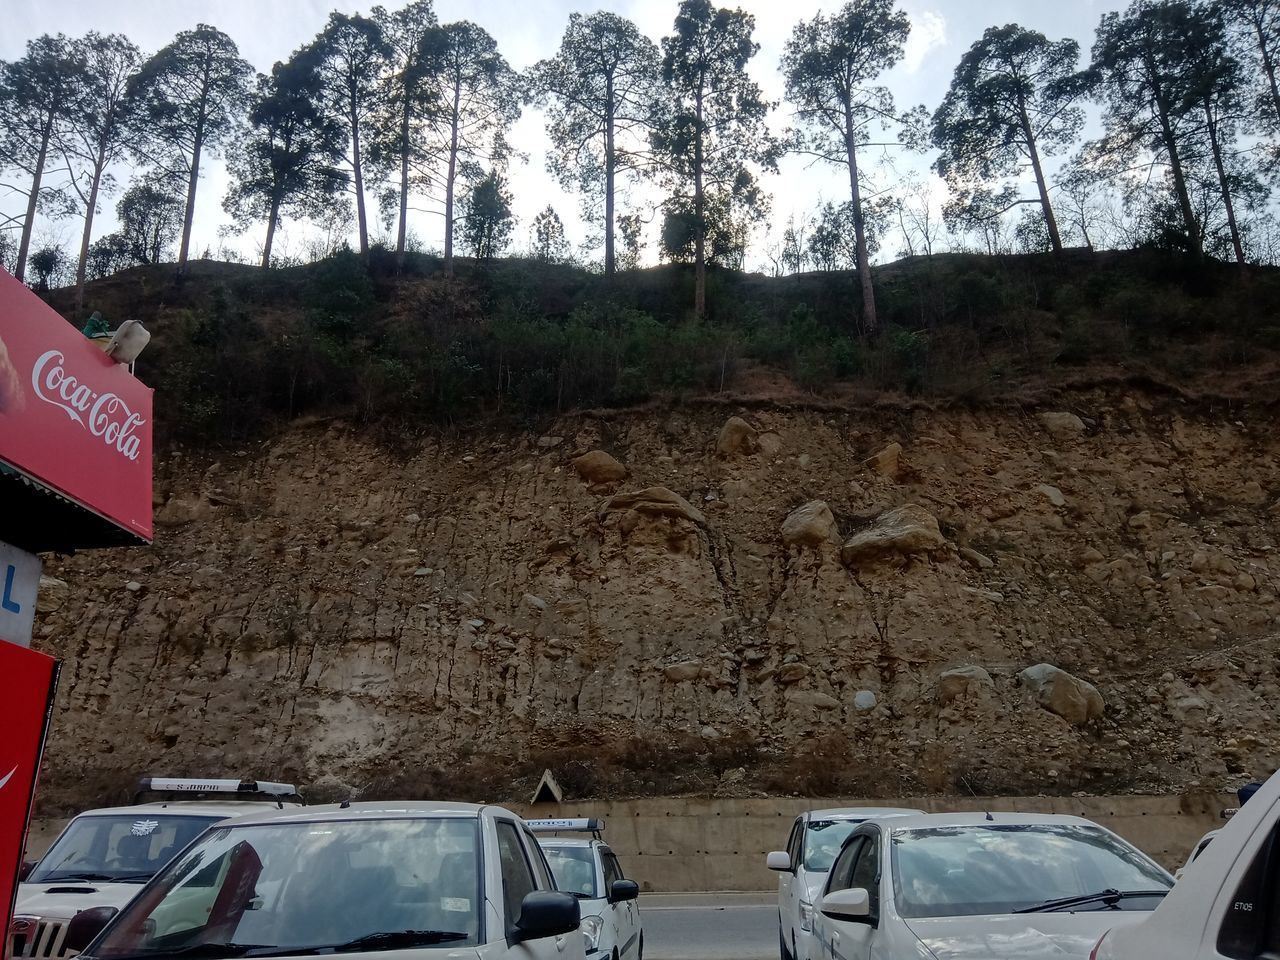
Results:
x,y
709,926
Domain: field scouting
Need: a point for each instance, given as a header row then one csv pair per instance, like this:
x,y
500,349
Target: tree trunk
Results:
x,y
190,215
273,218
1055,238
1175,166
859,229
450,177
85,237
609,261
24,245
1268,65
404,184
1236,243
699,223
358,178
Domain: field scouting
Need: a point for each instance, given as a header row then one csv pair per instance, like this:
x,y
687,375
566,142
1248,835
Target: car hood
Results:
x,y
63,899
1029,936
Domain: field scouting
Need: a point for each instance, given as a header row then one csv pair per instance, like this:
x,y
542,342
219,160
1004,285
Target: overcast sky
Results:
x,y
526,31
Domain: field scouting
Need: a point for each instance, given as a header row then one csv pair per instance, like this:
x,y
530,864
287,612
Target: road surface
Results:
x,y
710,926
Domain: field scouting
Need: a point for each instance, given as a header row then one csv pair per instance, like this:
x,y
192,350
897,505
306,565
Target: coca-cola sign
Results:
x,y
70,417
103,414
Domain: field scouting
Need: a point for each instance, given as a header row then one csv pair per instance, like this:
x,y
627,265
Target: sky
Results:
x,y
529,30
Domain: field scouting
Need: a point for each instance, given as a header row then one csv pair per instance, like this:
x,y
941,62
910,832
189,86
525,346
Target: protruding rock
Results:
x,y
770,444
864,700
814,698
653,501
1062,426
976,559
1071,698
1052,494
888,462
963,682
899,534
179,511
534,602
133,586
597,467
792,672
810,525
737,438
686,670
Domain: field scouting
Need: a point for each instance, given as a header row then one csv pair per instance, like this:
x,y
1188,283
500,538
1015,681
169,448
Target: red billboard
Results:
x,y
71,418
27,682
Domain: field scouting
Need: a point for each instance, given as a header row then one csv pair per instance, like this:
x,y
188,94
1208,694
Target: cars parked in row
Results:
x,y
814,843
448,881
103,857
588,869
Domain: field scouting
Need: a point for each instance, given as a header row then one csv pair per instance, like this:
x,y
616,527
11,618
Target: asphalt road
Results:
x,y
709,926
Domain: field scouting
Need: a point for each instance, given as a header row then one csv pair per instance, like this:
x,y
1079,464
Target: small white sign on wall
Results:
x,y
19,582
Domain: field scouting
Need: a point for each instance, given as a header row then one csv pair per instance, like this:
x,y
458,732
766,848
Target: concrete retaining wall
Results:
x,y
683,844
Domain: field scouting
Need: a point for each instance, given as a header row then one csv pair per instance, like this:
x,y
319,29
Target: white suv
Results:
x,y
103,857
816,838
589,870
429,881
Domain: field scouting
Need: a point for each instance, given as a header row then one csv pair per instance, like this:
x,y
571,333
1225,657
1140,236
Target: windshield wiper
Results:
x,y
1110,897
60,877
133,878
208,951
384,940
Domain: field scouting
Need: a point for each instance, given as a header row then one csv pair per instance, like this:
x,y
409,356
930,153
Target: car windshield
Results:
x,y
129,847
574,868
294,888
999,868
822,842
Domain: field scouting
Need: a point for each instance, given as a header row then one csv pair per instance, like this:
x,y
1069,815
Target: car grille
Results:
x,y
33,937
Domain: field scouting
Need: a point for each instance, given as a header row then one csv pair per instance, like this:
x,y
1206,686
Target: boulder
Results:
x,y
963,682
687,670
792,672
597,467
1062,426
888,462
179,511
976,559
864,700
813,698
1052,494
810,525
654,502
737,438
902,533
1071,698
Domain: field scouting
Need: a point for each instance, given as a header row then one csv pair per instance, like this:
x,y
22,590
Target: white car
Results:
x,y
1225,904
589,870
815,840
429,881
103,857
982,886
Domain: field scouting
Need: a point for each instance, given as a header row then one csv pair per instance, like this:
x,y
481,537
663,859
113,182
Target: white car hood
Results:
x,y
1029,936
35,900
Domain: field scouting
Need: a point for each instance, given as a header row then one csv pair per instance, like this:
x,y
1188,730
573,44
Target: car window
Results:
x,y
132,846
1251,926
609,864
841,877
517,876
540,867
574,868
822,840
612,860
793,842
866,871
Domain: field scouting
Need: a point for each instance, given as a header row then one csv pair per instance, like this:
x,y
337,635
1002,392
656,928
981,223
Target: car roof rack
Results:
x,y
591,825
179,788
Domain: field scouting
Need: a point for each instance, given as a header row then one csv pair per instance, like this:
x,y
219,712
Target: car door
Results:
x,y
626,915
790,891
524,870
857,866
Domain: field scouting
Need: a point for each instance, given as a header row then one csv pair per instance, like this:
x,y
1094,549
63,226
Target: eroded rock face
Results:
x,y
810,525
898,535
329,611
1074,700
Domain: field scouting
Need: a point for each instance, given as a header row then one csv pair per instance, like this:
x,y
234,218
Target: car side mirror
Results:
x,y
779,860
25,870
623,890
85,926
853,904
547,913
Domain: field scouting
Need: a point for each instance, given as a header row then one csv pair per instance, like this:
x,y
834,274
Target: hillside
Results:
x,y
432,606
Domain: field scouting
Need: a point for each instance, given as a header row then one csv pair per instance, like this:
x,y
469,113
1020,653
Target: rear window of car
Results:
x,y
574,869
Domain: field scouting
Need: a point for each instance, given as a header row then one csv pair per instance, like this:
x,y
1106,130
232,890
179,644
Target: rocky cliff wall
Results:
x,y
818,601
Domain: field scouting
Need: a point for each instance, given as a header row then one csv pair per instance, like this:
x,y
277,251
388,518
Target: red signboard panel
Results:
x,y
70,417
27,681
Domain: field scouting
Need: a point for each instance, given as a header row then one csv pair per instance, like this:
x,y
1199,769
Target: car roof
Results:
x,y
569,842
375,810
859,813
984,819
190,808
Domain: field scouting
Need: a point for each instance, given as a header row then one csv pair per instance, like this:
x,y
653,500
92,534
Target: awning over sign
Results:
x,y
75,435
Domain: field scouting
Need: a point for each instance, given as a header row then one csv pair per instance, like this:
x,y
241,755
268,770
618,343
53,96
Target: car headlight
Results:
x,y
806,916
591,927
